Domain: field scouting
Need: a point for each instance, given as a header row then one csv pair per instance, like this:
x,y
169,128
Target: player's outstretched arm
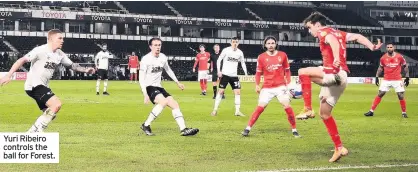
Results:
x,y
19,63
75,66
363,40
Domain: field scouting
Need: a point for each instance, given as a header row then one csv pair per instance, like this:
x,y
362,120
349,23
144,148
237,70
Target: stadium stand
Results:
x,y
280,13
213,9
143,7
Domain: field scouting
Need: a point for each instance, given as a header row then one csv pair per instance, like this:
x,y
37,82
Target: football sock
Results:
x,y
306,90
178,116
201,85
205,86
215,90
403,105
98,86
135,77
42,122
105,85
258,110
218,100
376,102
333,131
237,103
291,117
132,76
154,114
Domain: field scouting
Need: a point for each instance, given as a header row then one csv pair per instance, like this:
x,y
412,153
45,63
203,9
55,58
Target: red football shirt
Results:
x,y
203,60
392,66
326,50
273,68
133,62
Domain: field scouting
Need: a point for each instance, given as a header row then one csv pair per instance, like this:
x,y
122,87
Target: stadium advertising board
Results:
x,y
15,76
65,15
155,21
14,15
295,79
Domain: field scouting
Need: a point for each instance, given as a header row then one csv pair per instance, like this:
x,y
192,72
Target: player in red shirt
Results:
x,y
332,76
133,66
202,58
391,64
274,66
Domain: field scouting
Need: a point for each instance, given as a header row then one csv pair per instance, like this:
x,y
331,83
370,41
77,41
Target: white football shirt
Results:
x,y
151,70
103,60
231,58
43,64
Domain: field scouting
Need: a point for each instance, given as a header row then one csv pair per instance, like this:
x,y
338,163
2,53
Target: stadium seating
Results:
x,y
345,17
147,7
212,9
280,13
4,47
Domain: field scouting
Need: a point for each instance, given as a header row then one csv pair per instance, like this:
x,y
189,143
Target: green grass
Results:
x,y
99,133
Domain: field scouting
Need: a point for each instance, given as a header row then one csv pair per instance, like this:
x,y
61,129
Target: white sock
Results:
x,y
371,110
98,86
294,130
237,103
248,128
105,85
218,100
178,116
42,122
154,114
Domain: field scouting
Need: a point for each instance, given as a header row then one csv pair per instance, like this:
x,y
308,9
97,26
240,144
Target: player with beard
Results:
x,y
391,64
275,68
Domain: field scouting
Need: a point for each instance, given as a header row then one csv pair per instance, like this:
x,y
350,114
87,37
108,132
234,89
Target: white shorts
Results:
x,y
281,93
202,74
331,94
133,70
397,85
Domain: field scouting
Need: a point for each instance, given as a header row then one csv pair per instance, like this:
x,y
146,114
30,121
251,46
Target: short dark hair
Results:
x,y
202,45
390,42
235,38
316,17
216,45
154,39
104,44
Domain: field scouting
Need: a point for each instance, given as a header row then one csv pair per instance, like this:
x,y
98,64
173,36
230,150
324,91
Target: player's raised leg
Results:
x,y
178,116
306,77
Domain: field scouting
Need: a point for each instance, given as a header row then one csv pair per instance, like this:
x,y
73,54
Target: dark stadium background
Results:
x,y
126,26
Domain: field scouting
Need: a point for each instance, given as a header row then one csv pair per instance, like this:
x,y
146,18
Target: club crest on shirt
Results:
x,y
323,33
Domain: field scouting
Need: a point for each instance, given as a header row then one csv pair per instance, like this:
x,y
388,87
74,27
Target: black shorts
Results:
x,y
41,95
154,91
102,74
215,77
233,81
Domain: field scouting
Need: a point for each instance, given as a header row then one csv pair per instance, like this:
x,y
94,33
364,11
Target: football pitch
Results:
x,y
102,133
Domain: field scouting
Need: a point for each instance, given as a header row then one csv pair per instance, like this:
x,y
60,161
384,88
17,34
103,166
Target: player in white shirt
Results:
x,y
151,69
102,65
44,60
230,56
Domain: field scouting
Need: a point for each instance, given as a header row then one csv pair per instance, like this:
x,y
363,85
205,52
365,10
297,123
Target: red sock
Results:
x,y
205,84
376,102
333,131
135,76
291,117
403,105
256,114
305,81
132,76
201,85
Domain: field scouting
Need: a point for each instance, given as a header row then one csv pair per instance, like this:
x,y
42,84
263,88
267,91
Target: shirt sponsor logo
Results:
x,y
157,69
231,59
